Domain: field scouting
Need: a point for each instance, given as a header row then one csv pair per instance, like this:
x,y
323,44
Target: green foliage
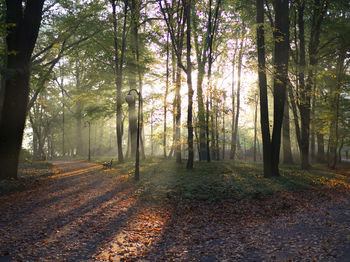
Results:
x,y
225,180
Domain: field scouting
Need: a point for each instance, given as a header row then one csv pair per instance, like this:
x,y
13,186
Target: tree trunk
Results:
x,y
152,142
320,148
287,150
207,126
178,115
255,125
233,103
78,113
189,85
240,54
280,78
20,41
223,127
313,137
281,56
174,70
264,113
335,100
165,97
118,64
304,105
305,93
201,114
339,151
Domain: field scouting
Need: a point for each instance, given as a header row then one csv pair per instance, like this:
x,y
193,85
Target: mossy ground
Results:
x,y
224,180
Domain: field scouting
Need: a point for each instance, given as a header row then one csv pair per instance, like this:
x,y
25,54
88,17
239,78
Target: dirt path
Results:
x,y
67,218
84,213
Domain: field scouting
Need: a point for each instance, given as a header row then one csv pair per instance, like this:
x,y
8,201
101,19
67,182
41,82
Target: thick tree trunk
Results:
x,y
281,57
281,35
264,113
20,41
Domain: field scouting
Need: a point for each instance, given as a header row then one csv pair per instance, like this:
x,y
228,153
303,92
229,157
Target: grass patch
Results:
x,y
224,180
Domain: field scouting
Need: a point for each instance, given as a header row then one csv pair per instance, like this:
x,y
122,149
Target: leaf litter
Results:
x,y
82,213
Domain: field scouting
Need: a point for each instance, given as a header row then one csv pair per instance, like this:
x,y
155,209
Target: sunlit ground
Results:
x,y
78,211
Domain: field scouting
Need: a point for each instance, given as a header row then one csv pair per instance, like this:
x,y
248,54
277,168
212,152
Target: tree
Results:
x,y
174,17
271,146
203,50
119,50
188,6
25,20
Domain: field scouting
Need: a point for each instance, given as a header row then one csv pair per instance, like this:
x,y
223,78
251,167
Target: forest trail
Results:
x,y
85,213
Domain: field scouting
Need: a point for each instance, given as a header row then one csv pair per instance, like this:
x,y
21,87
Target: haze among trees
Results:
x,y
236,110
204,69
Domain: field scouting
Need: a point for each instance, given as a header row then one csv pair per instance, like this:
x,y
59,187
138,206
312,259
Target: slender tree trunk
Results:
x,y
255,125
223,127
78,113
217,148
211,113
178,116
197,137
133,72
233,104
152,142
287,150
201,114
135,9
207,126
339,151
335,100
119,62
320,7
320,148
304,105
240,54
313,136
63,119
165,97
189,85
174,70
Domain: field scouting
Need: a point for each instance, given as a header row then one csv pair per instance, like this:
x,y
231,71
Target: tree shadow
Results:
x,y
51,228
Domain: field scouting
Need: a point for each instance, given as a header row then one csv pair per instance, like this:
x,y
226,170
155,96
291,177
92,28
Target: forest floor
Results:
x,y
76,211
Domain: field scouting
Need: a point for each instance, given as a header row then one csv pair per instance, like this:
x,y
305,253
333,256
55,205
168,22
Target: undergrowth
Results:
x,y
226,180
